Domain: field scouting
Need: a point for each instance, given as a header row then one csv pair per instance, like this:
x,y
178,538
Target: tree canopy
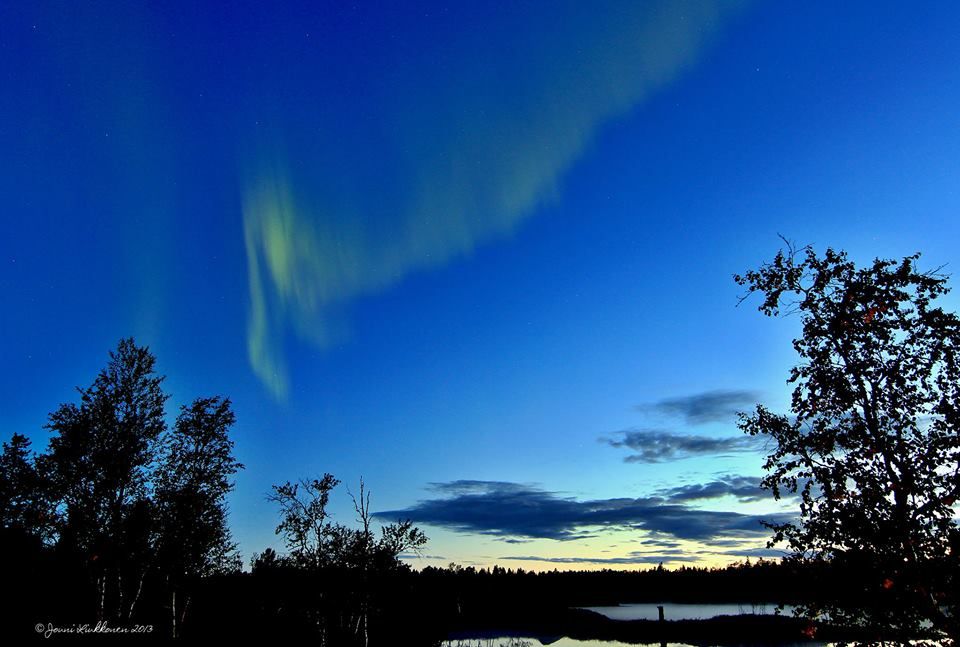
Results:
x,y
872,448
99,466
316,542
126,499
20,507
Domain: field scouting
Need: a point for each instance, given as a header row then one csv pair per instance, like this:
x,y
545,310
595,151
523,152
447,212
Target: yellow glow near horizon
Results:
x,y
485,552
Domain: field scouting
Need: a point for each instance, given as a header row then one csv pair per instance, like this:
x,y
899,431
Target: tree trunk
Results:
x,y
102,585
136,597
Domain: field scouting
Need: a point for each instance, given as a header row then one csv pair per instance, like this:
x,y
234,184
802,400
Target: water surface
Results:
x,y
679,611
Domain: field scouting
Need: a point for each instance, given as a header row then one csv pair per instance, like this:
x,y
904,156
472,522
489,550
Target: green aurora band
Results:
x,y
480,162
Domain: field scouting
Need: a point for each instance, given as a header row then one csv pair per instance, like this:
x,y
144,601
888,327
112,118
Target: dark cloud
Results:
x,y
656,446
709,406
469,487
660,543
754,552
744,488
633,558
726,543
516,510
655,557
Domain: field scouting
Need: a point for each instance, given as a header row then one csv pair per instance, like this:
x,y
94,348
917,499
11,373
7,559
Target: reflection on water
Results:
x,y
643,611
673,611
507,641
558,642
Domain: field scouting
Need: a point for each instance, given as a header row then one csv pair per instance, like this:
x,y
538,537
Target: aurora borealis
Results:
x,y
478,253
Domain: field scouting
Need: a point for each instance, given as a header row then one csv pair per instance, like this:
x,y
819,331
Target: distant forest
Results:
x,y
343,605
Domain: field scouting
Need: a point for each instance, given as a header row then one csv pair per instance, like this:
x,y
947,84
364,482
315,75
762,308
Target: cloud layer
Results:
x,y
656,446
632,558
507,509
744,488
710,406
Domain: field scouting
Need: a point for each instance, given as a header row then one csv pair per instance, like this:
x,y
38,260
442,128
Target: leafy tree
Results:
x,y
22,501
99,465
314,541
191,488
395,540
318,545
361,548
119,503
266,561
304,520
873,446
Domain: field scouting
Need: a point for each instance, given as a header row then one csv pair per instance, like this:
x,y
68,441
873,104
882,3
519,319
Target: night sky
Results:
x,y
479,254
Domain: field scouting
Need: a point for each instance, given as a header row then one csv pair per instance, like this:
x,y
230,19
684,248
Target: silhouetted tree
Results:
x,y
268,560
315,542
364,550
191,488
361,550
120,511
318,545
873,447
304,520
22,500
99,464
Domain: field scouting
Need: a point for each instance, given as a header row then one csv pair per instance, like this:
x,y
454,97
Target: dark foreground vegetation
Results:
x,y
120,524
338,605
423,608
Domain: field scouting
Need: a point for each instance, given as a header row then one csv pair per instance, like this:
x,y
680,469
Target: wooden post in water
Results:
x,y
663,643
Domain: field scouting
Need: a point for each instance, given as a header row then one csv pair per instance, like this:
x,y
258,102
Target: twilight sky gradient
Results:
x,y
478,253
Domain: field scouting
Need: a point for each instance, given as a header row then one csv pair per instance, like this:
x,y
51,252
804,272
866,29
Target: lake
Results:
x,y
679,611
513,641
637,611
507,641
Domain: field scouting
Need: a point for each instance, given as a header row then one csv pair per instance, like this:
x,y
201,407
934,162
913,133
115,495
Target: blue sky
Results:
x,y
478,253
